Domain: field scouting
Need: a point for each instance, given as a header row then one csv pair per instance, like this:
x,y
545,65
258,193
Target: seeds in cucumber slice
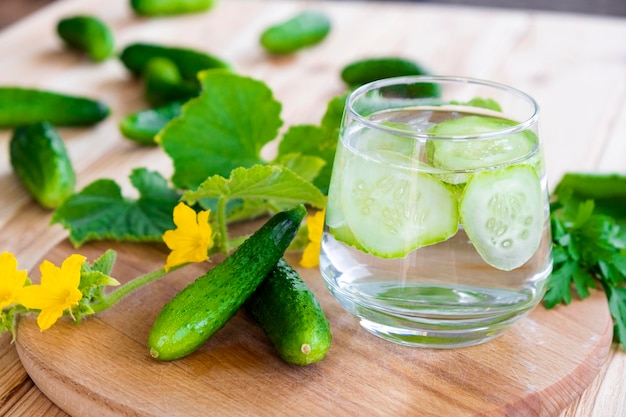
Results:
x,y
502,212
471,154
393,210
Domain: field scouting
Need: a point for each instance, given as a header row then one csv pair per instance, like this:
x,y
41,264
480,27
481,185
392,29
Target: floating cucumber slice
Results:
x,y
393,210
502,212
471,154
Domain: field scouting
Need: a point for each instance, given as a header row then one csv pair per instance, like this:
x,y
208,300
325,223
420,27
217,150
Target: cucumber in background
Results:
x,y
41,162
136,56
143,126
366,70
170,7
163,83
20,106
87,34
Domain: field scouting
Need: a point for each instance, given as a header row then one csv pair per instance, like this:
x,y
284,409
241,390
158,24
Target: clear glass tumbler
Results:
x,y
437,228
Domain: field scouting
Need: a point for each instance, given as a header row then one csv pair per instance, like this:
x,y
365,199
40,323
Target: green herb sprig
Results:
x,y
588,218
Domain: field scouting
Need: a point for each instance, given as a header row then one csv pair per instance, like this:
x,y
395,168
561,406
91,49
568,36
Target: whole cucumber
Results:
x,y
136,56
20,106
367,70
303,30
170,7
40,160
205,306
291,316
87,34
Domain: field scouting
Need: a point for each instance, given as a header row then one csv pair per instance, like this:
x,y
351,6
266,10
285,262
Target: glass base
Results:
x,y
433,328
430,338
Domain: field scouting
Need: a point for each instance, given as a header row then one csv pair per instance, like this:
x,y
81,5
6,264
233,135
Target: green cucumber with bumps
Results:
x,y
196,313
20,106
41,162
291,316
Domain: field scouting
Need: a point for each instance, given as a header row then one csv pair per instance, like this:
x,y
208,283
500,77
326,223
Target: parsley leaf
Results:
x,y
224,128
100,211
617,307
588,243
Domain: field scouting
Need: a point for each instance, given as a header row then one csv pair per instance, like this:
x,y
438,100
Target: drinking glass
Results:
x,y
437,228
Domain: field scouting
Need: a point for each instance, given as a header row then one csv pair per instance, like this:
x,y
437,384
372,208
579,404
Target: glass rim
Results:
x,y
386,82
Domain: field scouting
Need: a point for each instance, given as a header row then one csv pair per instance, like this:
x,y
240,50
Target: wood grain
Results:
x,y
573,65
103,367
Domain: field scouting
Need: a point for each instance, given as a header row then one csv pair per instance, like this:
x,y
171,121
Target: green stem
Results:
x,y
220,216
130,286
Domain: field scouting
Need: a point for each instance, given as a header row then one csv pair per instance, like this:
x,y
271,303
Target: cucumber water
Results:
x,y
419,209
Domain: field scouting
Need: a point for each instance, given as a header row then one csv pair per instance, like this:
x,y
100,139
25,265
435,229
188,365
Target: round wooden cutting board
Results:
x,y
101,367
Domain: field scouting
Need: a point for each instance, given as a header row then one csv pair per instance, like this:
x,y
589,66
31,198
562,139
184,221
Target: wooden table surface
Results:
x,y
575,66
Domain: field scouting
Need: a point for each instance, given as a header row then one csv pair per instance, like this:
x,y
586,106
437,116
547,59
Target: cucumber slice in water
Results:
x,y
502,212
392,210
471,154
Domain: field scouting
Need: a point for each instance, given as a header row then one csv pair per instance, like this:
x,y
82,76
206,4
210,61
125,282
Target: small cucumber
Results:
x,y
87,34
136,56
164,84
291,316
305,29
206,305
367,70
170,7
593,185
20,106
143,126
40,160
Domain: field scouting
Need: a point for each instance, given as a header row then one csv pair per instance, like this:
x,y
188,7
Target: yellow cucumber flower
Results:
x,y
192,238
12,281
315,226
57,292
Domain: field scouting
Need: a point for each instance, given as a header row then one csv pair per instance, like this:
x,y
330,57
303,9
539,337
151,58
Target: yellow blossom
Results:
x,y
12,281
315,226
192,238
57,292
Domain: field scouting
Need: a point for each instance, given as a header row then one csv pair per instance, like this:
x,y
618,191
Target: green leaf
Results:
x,y
607,190
319,141
588,219
100,211
583,280
314,141
617,307
224,128
559,285
307,167
104,263
334,112
271,184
